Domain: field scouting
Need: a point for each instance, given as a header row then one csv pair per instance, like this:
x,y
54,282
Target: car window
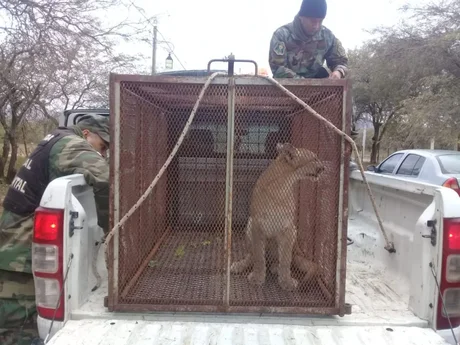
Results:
x,y
213,137
418,166
389,165
450,164
411,165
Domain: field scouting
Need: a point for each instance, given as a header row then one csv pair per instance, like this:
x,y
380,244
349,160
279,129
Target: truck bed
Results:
x,y
378,289
380,315
377,297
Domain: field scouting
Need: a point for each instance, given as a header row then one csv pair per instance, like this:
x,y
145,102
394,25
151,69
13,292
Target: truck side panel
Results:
x,y
72,194
406,207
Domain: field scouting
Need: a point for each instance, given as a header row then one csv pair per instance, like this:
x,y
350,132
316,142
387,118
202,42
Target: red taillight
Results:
x,y
47,262
450,275
47,224
454,236
453,184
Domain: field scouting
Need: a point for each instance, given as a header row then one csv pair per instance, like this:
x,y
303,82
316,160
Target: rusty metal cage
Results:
x,y
176,251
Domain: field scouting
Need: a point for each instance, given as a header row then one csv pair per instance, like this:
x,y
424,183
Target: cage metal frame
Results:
x,y
113,303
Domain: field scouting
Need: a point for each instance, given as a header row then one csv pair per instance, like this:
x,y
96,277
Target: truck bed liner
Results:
x,y
377,298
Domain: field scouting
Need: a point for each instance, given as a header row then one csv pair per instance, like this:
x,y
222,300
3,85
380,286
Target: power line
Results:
x,y
141,11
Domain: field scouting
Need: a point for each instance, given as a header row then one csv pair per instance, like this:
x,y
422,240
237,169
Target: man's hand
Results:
x,y
335,75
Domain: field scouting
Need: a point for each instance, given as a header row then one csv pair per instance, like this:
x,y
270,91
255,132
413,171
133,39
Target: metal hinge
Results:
x,y
72,229
431,224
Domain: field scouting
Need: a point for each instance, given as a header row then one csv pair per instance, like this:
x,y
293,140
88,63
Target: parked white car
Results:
x,y
438,167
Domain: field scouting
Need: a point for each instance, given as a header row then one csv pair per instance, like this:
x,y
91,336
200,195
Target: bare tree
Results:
x,y
407,78
55,55
378,89
83,84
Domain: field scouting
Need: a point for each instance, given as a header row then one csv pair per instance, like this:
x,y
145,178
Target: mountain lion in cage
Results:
x,y
272,214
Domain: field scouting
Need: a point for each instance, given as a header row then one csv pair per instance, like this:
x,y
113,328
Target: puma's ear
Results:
x,y
279,147
287,150
284,147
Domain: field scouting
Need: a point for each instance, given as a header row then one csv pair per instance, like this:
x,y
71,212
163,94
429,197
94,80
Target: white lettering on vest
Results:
x,y
28,164
19,184
49,137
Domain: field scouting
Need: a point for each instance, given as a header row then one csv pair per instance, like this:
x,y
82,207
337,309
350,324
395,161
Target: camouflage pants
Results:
x,y
17,308
17,291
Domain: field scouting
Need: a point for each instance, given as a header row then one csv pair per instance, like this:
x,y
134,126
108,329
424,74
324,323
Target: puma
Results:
x,y
272,214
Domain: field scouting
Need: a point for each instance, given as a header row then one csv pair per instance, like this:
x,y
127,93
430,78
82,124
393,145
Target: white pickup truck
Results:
x,y
394,297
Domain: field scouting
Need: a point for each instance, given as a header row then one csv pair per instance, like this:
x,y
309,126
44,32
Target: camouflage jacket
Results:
x,y
295,55
70,155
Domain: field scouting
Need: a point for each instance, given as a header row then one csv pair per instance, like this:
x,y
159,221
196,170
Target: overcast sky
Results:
x,y
201,30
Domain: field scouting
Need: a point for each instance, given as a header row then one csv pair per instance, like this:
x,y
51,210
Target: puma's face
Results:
x,y
304,161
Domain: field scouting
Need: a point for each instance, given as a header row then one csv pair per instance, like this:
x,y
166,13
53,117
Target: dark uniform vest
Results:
x,y
27,188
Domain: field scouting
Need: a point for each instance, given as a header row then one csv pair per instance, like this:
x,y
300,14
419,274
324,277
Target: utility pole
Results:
x,y
154,48
364,142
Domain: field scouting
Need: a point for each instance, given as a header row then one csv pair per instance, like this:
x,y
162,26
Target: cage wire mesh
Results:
x,y
171,254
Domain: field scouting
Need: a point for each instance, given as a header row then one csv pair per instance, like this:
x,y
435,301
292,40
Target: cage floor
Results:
x,y
189,269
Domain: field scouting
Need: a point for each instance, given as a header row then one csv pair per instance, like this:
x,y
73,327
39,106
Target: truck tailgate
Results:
x,y
123,332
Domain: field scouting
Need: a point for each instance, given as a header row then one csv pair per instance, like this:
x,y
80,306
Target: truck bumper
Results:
x,y
43,326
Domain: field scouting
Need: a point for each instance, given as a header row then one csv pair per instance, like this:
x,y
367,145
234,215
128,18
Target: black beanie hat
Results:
x,y
313,8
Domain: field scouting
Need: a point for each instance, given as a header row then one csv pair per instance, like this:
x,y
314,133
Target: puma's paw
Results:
x,y
274,269
236,267
240,266
288,284
256,279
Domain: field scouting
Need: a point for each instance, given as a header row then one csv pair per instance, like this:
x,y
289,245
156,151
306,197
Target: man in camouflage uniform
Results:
x,y
78,149
299,49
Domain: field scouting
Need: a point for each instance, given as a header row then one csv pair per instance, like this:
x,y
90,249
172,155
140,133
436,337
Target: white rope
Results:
x,y
165,166
389,245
